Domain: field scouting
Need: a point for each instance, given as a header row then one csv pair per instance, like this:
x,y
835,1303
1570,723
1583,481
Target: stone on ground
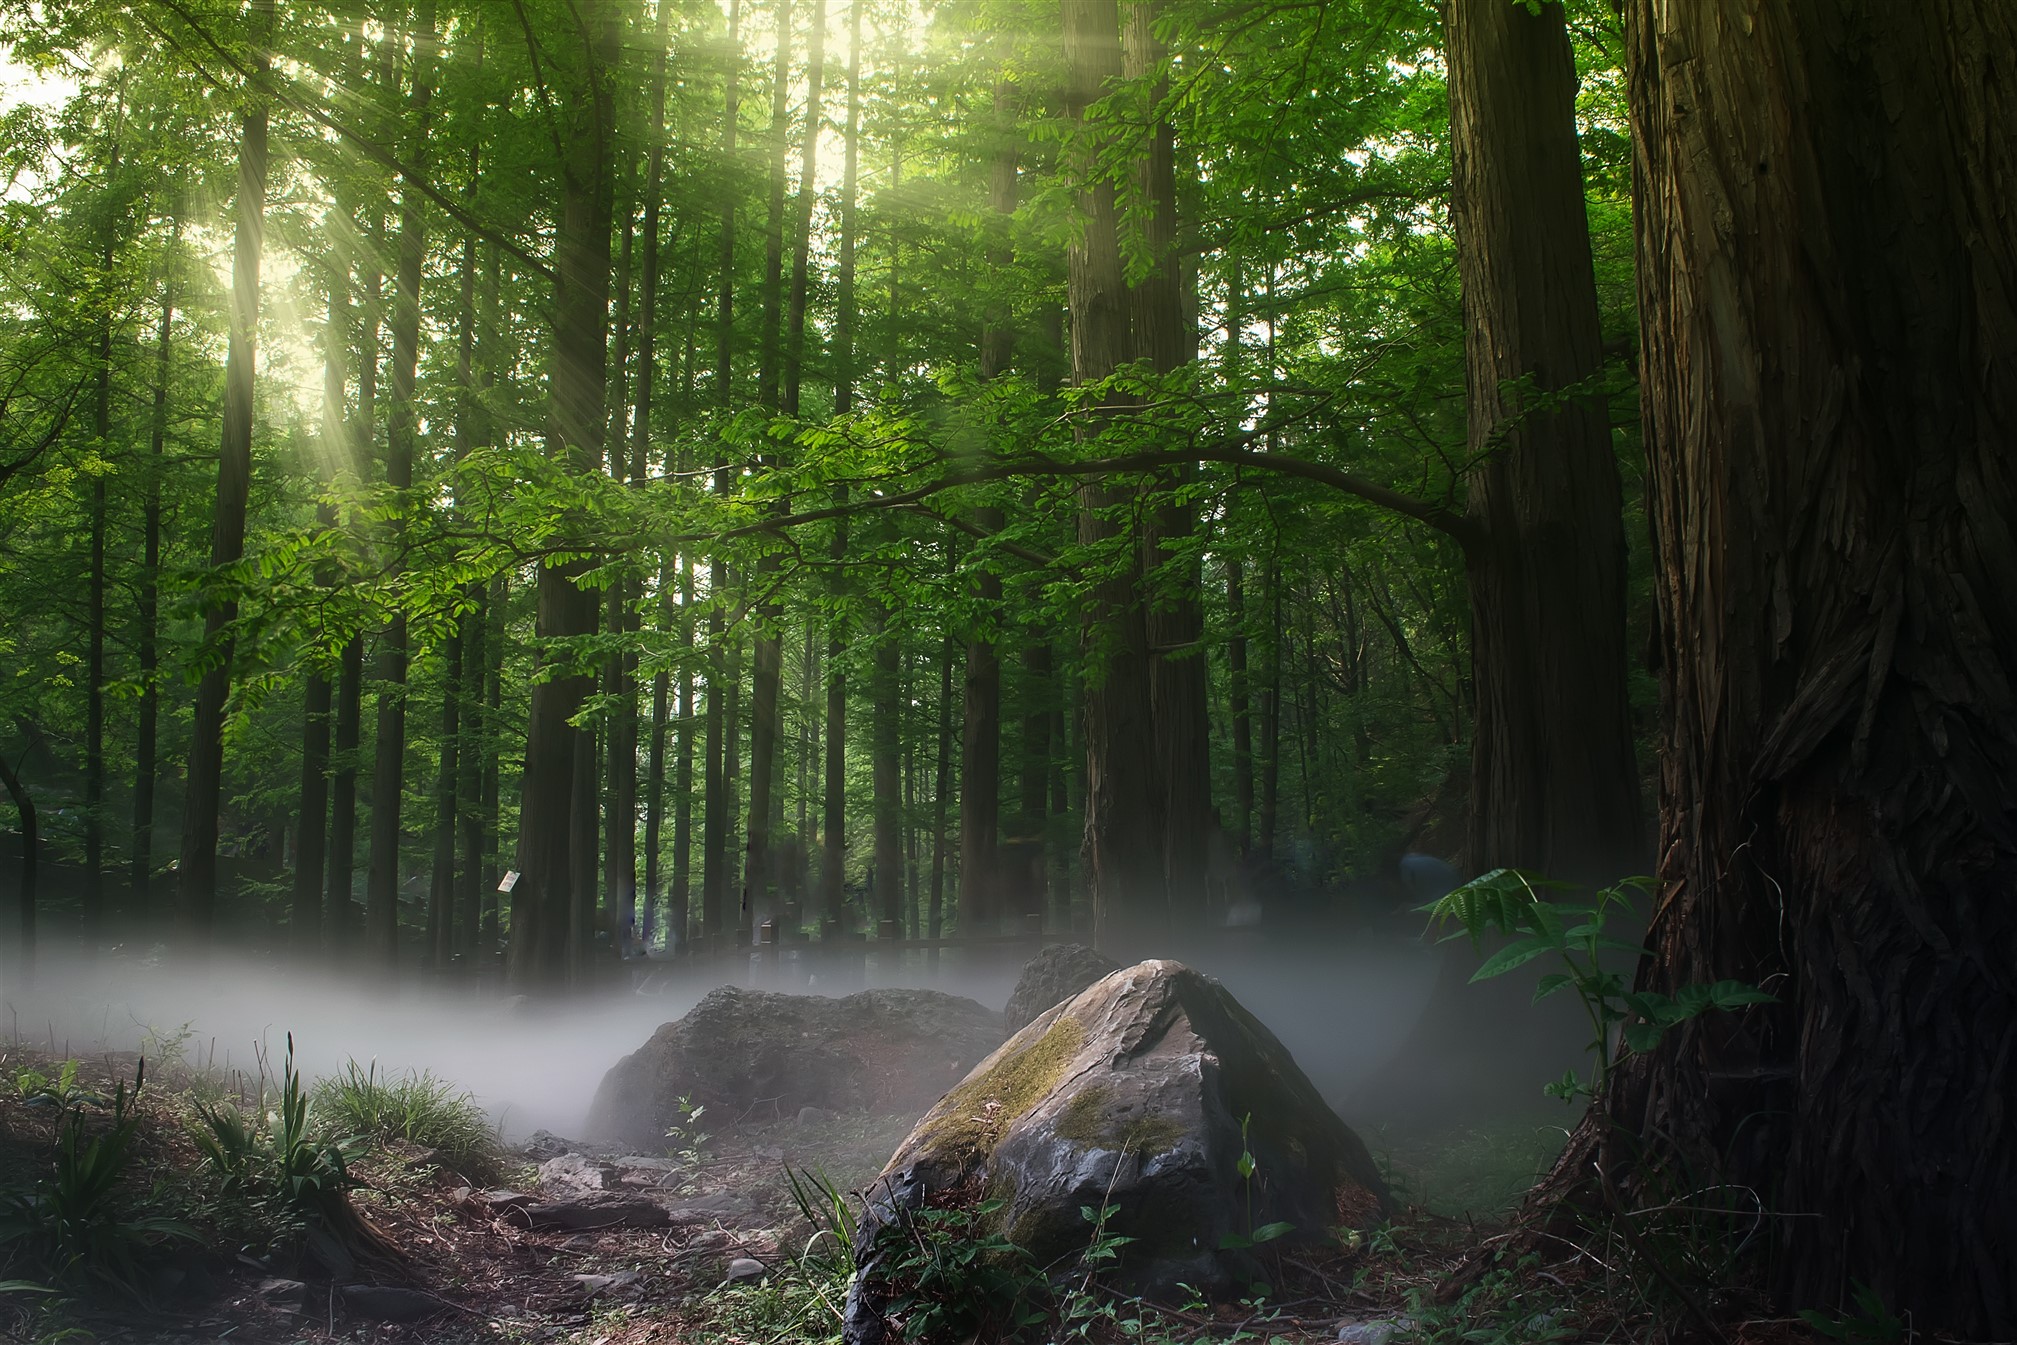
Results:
x,y
1053,976
1131,1095
759,1055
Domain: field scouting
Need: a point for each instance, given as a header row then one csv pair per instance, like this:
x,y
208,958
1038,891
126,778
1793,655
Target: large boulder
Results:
x,y
1053,976
758,1054
1140,1094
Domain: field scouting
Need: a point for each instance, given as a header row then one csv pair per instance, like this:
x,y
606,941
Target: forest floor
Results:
x,y
469,1265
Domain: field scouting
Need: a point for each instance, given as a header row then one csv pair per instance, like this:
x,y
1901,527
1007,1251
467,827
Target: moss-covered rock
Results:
x,y
1140,1093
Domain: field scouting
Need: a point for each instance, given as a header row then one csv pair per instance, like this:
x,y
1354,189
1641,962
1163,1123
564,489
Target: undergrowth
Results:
x,y
418,1108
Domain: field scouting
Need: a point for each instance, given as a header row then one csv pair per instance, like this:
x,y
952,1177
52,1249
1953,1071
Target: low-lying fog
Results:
x,y
1343,1009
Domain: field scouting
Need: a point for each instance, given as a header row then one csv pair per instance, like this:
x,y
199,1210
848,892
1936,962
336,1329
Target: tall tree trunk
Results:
x,y
679,918
196,880
337,926
388,776
619,676
311,852
714,877
640,460
1830,381
550,902
1123,834
1032,814
146,766
1553,782
941,787
26,899
441,920
490,809
94,597
1165,332
1266,822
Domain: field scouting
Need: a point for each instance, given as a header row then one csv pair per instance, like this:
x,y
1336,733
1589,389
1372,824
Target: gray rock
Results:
x,y
544,1144
504,1199
808,1116
647,1163
602,1284
1374,1331
754,1052
574,1173
745,1268
1131,1095
283,1293
582,1215
388,1303
1053,976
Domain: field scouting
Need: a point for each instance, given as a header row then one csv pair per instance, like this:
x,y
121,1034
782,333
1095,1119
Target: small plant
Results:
x,y
417,1108
1084,1314
953,1276
1508,903
68,1228
689,1142
1247,1167
830,1247
34,1088
1872,1323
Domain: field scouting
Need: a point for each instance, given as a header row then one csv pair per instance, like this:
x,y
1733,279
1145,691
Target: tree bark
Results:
x,y
196,881
31,854
146,766
884,767
1830,385
1553,783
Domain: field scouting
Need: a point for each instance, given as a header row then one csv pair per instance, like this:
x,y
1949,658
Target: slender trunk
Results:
x,y
679,919
388,776
619,675
884,765
1271,717
337,926
31,854
441,887
770,351
714,879
640,454
1027,871
94,611
1242,707
815,121
146,767
490,810
311,852
197,879
941,788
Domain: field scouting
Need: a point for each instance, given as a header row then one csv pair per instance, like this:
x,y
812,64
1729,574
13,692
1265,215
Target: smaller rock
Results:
x,y
389,1303
602,1284
284,1293
770,1153
646,1163
707,1237
504,1199
575,1173
808,1116
745,1268
545,1144
715,1202
1374,1331
1054,975
577,1215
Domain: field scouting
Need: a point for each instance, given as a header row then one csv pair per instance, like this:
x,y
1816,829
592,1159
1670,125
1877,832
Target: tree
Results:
x,y
1829,352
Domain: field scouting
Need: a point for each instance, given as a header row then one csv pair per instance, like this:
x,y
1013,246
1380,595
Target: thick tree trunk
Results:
x,y
196,880
1830,386
1553,782
1269,809
25,908
1123,833
1029,873
640,457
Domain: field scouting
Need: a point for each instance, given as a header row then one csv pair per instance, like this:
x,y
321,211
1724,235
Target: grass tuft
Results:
x,y
418,1108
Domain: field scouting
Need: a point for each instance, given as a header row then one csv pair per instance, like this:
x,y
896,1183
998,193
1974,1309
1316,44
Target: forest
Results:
x,y
521,521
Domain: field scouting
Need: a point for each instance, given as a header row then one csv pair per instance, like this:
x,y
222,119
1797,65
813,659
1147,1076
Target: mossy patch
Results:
x,y
974,1115
1088,1120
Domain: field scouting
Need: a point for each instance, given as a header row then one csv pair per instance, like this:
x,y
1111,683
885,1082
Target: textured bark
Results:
x,y
25,900
337,924
1553,782
1829,327
1123,835
640,456
884,766
815,122
1238,692
196,880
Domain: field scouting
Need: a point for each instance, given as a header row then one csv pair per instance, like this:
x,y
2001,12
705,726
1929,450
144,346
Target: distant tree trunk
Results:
x,y
1829,338
679,905
884,766
1553,783
31,853
552,897
491,807
1242,708
146,766
1271,717
714,877
196,880
833,865
1033,816
337,892
94,596
441,886
388,776
942,786
815,120
640,458
475,331
311,853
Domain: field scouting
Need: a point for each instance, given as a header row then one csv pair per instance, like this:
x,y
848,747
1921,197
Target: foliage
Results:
x,y
70,1228
1508,903
416,1107
276,1161
689,1142
33,1087
1872,1323
952,1275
